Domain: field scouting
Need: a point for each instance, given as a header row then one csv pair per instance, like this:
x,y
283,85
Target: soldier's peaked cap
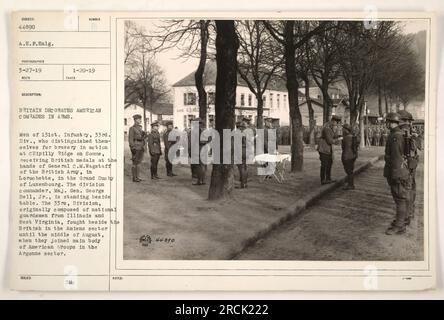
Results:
x,y
155,123
137,116
336,118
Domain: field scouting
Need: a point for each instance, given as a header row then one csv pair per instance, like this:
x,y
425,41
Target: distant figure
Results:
x,y
349,154
136,140
325,148
154,148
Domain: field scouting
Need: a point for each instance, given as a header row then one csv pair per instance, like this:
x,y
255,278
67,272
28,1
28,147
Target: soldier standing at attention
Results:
x,y
154,148
349,155
412,145
136,140
168,144
397,174
325,148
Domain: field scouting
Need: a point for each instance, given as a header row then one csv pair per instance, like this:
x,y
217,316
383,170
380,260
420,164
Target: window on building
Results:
x,y
185,124
211,98
264,99
189,99
271,100
285,100
242,100
125,121
278,100
250,100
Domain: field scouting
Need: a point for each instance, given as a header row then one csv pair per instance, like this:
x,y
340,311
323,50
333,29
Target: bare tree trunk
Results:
x,y
144,116
312,122
381,113
227,44
297,143
386,103
260,112
198,76
326,102
360,107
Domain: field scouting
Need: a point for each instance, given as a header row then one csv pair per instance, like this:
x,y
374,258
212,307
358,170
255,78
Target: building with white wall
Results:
x,y
160,112
186,105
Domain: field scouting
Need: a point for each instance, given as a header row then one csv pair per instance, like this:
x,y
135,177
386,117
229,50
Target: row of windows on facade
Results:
x,y
190,117
190,99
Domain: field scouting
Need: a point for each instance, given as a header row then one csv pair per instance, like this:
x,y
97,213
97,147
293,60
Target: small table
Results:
x,y
279,160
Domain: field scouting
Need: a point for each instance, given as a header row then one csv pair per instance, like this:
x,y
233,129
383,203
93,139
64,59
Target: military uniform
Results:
x,y
412,146
325,149
168,144
349,156
155,149
136,141
397,175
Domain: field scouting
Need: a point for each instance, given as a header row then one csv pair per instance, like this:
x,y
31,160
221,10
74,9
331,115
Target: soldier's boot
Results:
x,y
152,173
351,182
138,174
134,173
398,225
348,184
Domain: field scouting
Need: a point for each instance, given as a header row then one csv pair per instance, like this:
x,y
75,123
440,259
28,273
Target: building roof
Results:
x,y
209,78
163,108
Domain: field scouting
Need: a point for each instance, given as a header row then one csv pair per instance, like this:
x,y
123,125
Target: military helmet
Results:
x,y
405,115
393,117
336,118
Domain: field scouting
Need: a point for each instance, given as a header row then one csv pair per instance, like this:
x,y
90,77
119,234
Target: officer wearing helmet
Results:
x,y
412,146
397,173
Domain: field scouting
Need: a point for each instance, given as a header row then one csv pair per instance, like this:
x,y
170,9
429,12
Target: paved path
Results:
x,y
346,225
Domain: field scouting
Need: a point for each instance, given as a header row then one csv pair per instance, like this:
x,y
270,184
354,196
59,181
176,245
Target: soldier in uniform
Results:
x,y
168,144
412,146
154,148
325,148
377,136
349,155
136,140
397,173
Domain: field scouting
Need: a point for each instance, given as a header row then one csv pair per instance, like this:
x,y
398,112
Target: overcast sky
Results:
x,y
175,69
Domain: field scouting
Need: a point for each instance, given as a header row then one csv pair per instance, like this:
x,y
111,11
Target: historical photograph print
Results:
x,y
274,139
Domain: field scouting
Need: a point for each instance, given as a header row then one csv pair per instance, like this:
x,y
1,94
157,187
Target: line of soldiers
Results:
x,y
138,138
376,135
401,161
